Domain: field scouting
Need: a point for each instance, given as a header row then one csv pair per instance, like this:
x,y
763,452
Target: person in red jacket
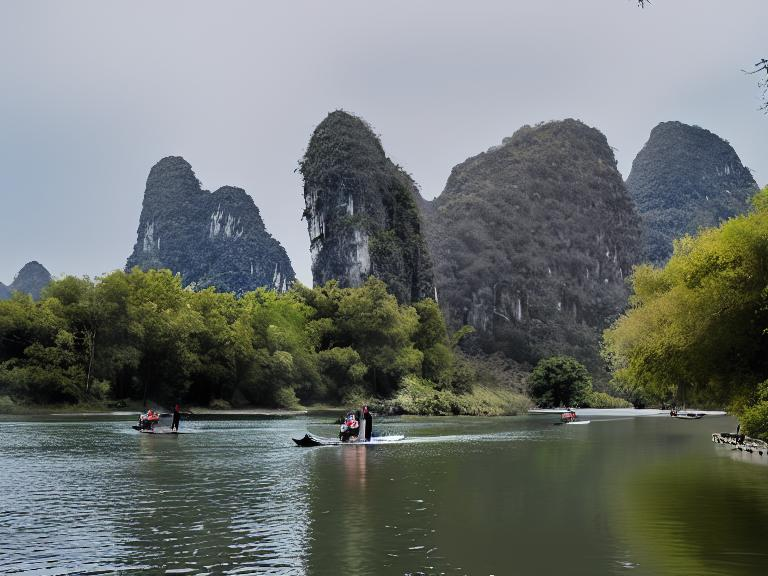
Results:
x,y
148,420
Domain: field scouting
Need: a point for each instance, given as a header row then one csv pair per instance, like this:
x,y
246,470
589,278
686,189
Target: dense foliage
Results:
x,y
531,241
696,329
683,179
140,335
560,381
361,211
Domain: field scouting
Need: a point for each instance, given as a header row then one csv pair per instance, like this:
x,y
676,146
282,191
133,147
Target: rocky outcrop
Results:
x,y
532,241
685,178
211,239
361,212
31,279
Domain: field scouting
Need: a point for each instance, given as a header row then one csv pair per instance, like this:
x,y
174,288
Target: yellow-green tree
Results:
x,y
696,328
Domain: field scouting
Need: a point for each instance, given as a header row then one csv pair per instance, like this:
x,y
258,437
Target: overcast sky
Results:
x,y
92,94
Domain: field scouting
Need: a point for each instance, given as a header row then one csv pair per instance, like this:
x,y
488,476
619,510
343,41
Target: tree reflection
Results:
x,y
679,520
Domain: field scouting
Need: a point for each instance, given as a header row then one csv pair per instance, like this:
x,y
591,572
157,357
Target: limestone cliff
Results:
x,y
532,241
685,178
361,212
211,239
31,279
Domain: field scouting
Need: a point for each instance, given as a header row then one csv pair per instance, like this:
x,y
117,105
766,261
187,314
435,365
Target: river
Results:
x,y
464,496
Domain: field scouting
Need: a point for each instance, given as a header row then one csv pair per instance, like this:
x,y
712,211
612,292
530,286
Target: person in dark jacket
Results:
x,y
368,423
176,417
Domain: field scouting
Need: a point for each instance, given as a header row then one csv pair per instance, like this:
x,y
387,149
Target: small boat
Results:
x,y
571,422
156,430
570,417
310,440
686,414
160,425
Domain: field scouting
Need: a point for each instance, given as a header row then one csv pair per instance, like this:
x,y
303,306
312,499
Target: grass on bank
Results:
x,y
8,406
417,396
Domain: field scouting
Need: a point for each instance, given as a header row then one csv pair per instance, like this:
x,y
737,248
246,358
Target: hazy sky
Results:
x,y
92,94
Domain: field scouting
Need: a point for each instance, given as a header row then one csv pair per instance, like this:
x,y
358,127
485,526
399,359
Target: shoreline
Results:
x,y
104,411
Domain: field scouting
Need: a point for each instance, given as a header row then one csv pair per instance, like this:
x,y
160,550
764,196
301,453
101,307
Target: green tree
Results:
x,y
560,381
162,323
381,331
283,348
696,327
141,335
431,338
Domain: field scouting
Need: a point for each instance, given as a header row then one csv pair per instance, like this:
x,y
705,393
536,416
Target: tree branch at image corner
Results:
x,y
760,68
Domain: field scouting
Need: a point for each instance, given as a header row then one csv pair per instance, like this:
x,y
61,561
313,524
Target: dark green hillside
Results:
x,y
686,178
532,240
361,212
212,239
31,279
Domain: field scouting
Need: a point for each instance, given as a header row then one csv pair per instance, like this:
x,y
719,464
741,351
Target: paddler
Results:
x,y
368,423
176,417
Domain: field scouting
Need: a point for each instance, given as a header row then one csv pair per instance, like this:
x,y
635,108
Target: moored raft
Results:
x,y
741,442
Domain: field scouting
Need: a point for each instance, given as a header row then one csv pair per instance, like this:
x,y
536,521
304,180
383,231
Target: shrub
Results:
x,y
418,396
219,404
286,398
595,399
6,404
560,381
754,421
100,389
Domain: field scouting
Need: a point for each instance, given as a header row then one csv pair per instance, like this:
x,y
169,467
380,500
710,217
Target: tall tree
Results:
x,y
697,326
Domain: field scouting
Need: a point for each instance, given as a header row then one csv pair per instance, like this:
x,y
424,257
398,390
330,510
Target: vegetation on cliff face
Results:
x,y
212,239
686,178
361,212
531,242
140,335
696,331
31,279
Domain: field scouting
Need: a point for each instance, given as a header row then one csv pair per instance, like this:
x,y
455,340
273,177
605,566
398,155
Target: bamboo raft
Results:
x,y
741,442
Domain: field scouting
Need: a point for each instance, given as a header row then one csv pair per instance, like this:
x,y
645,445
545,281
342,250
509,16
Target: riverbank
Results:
x,y
134,408
418,398
414,398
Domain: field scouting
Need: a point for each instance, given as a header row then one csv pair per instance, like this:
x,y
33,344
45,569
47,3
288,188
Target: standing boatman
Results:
x,y
368,423
176,417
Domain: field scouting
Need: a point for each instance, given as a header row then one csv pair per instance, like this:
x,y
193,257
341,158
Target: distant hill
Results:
x,y
211,239
532,241
31,279
361,212
685,178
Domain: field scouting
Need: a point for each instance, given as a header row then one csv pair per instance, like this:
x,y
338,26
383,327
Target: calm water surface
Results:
x,y
500,496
